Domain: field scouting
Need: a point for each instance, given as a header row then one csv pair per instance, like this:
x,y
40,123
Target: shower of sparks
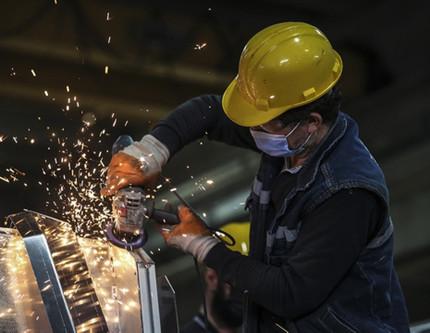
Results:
x,y
200,46
13,175
77,173
72,172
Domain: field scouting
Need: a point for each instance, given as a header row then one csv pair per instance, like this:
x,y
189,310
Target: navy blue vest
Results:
x,y
369,299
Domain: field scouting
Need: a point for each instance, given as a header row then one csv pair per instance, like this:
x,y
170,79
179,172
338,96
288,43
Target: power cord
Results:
x,y
222,236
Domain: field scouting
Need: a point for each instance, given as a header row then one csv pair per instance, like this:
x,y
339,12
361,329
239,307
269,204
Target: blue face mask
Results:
x,y
277,145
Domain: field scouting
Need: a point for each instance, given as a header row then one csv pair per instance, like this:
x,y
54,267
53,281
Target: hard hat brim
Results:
x,y
243,113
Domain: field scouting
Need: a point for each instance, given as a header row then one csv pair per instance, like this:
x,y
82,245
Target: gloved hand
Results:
x,y
191,235
138,164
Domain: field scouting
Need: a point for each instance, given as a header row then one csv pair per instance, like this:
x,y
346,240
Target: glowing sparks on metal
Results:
x,y
200,46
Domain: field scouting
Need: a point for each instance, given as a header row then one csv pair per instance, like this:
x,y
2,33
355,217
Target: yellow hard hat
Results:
x,y
240,232
282,67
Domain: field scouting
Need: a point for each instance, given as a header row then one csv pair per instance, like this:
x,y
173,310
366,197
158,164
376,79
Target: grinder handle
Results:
x,y
163,217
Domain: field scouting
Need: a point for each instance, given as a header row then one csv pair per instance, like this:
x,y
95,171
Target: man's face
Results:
x,y
313,125
295,132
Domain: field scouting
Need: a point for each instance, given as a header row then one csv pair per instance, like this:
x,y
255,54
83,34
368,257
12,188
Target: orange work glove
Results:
x,y
125,170
191,235
138,164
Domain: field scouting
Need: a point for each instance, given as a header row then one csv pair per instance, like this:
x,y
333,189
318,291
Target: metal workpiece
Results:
x,y
54,281
113,271
61,273
21,305
44,270
148,294
132,297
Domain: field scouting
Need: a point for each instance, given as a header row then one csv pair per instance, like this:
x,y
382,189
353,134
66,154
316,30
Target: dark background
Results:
x,y
155,61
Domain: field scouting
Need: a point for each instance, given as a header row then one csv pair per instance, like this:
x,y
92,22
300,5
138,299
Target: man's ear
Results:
x,y
211,279
315,121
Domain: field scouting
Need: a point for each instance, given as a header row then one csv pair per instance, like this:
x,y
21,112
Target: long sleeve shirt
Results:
x,y
330,240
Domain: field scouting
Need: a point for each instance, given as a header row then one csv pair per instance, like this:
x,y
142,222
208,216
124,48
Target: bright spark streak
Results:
x,y
5,179
200,46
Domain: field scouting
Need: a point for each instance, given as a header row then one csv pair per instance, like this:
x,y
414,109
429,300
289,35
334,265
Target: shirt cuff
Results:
x,y
218,256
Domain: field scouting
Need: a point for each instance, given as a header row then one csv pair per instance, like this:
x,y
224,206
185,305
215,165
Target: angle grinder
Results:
x,y
132,207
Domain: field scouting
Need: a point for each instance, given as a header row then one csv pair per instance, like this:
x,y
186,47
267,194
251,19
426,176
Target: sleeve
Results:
x,y
197,117
332,236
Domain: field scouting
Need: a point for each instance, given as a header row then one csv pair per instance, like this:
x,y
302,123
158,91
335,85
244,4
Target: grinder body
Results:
x,y
129,210
132,208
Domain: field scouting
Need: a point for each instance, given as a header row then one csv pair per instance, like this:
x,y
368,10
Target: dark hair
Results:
x,y
327,106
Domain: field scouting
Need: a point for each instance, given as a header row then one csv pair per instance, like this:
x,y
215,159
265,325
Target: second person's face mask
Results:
x,y
277,144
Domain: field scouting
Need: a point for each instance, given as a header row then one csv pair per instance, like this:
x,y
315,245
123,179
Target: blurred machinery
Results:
x,y
54,281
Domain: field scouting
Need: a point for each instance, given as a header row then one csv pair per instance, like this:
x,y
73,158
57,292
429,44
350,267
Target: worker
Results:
x,y
223,304
321,240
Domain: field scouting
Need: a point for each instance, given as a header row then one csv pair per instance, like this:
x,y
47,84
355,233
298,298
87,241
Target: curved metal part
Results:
x,y
61,273
21,305
113,271
75,284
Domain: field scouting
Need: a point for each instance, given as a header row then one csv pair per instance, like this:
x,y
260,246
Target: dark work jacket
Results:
x,y
369,298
